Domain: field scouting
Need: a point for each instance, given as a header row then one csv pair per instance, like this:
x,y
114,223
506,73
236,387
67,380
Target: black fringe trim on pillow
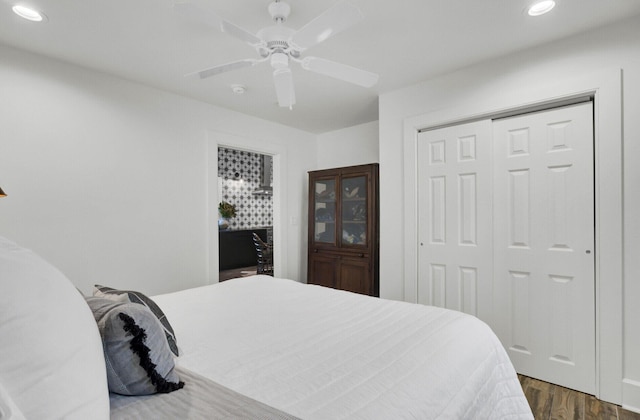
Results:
x,y
139,347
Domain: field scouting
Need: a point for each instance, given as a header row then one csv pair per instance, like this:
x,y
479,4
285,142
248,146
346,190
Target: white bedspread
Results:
x,y
318,353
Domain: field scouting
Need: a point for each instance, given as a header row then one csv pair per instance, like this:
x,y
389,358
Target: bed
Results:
x,y
255,347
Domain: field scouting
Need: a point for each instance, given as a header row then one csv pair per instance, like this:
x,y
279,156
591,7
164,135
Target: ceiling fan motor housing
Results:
x,y
276,38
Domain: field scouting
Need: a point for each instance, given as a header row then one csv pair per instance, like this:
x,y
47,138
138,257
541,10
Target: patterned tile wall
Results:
x,y
240,172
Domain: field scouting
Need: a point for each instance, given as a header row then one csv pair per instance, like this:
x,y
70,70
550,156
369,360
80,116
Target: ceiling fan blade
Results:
x,y
241,34
223,68
197,14
334,20
283,80
340,71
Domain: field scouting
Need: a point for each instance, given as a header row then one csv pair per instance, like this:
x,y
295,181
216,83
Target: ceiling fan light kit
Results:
x,y
283,80
281,45
279,60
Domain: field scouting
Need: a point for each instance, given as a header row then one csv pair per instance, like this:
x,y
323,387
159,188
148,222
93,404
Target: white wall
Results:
x,y
357,145
108,179
497,85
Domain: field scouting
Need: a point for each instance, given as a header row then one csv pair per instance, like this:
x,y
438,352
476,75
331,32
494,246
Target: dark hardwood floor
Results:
x,y
237,272
549,401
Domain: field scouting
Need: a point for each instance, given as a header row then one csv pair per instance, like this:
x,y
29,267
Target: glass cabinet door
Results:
x,y
354,210
325,211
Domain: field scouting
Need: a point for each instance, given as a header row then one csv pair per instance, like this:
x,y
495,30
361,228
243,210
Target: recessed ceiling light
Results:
x,y
28,13
541,7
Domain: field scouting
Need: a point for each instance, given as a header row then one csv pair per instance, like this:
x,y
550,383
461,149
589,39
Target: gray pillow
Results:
x,y
142,299
137,356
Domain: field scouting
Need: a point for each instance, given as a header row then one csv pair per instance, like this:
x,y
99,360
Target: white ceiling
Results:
x,y
403,41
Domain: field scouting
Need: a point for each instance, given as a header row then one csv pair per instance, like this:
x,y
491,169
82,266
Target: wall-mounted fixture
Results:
x,y
2,194
265,187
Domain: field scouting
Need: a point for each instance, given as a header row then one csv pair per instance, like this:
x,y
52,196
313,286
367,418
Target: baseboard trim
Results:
x,y
631,395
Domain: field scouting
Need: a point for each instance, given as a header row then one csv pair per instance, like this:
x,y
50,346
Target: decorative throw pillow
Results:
x,y
142,299
138,358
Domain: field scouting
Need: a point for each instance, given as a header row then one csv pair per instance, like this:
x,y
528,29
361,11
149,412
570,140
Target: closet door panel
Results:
x,y
455,246
544,241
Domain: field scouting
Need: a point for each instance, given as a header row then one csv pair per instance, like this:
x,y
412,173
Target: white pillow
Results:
x,y
51,358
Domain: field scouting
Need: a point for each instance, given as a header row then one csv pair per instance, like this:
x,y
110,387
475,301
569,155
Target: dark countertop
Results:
x,y
246,229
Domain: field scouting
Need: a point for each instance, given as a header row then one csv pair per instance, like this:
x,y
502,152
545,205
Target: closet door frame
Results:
x,y
605,89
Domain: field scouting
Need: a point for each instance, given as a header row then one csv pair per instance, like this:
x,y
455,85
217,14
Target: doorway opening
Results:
x,y
245,208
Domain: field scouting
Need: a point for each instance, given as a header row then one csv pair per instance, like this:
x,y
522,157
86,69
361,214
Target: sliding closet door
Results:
x,y
544,244
455,244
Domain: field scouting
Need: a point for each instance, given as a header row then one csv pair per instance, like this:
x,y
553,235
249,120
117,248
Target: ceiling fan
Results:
x,y
281,45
